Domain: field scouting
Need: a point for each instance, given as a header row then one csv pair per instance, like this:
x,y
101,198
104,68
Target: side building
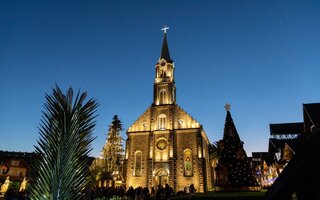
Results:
x,y
166,145
16,165
299,178
284,142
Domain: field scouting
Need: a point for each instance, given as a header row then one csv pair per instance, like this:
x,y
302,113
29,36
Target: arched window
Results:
x,y
187,158
162,96
137,164
163,73
162,122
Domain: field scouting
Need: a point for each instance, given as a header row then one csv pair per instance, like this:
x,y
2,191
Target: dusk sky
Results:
x,y
260,56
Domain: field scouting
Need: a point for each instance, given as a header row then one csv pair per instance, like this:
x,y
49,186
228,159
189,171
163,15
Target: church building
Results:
x,y
165,144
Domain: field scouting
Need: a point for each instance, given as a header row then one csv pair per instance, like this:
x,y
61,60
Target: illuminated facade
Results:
x,y
165,144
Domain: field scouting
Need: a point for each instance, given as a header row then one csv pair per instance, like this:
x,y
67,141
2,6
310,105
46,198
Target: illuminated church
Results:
x,y
165,144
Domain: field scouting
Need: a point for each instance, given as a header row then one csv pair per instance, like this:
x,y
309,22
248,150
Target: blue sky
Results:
x,y
262,57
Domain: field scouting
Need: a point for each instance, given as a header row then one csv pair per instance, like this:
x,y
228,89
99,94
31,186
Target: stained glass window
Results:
x,y
138,163
188,171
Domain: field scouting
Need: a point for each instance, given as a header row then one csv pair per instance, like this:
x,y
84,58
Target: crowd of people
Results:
x,y
13,194
139,193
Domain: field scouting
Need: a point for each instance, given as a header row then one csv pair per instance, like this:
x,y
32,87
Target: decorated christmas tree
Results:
x,y
112,151
108,165
234,169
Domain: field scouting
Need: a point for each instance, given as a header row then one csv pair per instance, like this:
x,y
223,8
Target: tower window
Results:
x,y
163,74
137,163
162,122
162,96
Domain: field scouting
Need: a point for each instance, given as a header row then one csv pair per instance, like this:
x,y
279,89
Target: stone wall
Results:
x,y
186,139
181,132
138,142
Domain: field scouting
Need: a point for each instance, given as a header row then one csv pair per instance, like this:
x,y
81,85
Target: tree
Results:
x,y
61,165
97,171
105,167
112,151
234,157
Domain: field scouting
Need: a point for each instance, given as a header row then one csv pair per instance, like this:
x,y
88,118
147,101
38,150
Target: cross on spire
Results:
x,y
164,29
227,107
165,50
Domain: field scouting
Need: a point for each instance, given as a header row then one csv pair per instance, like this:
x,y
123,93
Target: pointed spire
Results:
x,y
227,107
165,50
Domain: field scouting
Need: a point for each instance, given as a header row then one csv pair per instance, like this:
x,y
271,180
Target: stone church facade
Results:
x,y
165,144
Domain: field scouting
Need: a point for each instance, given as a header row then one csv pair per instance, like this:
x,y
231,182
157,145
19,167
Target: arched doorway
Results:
x,y
161,177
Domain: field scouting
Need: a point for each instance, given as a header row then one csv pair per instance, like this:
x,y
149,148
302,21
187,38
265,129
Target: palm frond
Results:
x,y
61,166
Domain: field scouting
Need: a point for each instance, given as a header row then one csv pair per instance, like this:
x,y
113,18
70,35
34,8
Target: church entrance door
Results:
x,y
161,178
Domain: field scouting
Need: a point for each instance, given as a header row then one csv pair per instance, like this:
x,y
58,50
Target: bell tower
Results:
x,y
164,87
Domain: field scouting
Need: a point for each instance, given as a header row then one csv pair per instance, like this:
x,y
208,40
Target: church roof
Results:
x,y
165,50
182,120
142,123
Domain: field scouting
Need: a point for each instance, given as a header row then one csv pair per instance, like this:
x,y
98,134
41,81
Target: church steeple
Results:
x,y
164,86
165,50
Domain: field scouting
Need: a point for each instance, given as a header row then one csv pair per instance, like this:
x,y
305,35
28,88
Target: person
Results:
x,y
130,193
158,192
23,185
11,194
167,191
145,192
138,193
153,192
192,190
5,185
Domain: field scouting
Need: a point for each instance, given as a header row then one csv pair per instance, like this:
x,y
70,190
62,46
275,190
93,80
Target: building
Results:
x,y
300,177
283,144
266,170
16,165
285,141
165,144
284,137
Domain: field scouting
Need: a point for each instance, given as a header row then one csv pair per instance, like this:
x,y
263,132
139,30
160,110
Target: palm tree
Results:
x,y
214,152
62,162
